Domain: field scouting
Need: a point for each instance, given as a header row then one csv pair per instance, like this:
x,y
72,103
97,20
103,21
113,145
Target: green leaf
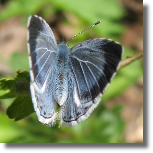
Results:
x,y
20,108
13,87
7,89
19,88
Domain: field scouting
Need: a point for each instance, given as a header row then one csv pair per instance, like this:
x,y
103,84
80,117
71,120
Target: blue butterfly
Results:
x,y
75,79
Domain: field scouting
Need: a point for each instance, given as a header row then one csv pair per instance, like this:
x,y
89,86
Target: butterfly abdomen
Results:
x,y
61,71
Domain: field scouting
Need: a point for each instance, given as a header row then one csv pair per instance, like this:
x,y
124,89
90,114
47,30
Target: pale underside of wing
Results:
x,y
42,49
93,65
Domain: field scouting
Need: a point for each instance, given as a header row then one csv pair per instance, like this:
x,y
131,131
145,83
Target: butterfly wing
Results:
x,y
93,64
42,48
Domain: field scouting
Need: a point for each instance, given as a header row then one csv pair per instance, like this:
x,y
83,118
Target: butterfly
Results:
x,y
74,79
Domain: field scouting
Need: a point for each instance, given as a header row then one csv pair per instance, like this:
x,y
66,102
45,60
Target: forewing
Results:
x,y
42,48
94,63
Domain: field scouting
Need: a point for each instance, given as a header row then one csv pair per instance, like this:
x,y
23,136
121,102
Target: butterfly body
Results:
x,y
61,74
75,78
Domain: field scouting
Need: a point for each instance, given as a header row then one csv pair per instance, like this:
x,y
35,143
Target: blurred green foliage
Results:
x,y
109,12
104,125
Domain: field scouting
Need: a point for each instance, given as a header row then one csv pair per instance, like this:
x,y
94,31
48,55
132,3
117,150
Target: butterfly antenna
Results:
x,y
84,30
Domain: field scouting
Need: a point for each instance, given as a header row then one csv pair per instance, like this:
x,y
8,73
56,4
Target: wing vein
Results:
x,y
92,75
42,57
75,77
90,63
85,78
43,65
43,48
45,34
47,42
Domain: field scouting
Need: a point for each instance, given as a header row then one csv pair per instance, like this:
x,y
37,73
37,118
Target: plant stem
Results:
x,y
131,59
